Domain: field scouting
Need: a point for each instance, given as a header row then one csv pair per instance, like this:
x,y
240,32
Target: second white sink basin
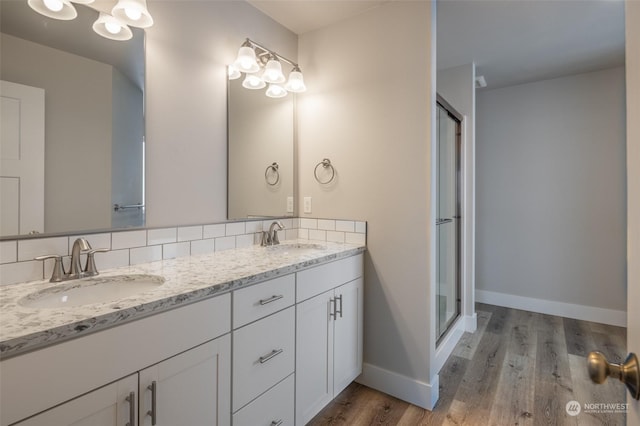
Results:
x,y
295,248
86,291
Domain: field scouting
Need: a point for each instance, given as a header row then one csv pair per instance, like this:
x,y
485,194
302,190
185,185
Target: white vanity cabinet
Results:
x,y
187,351
328,333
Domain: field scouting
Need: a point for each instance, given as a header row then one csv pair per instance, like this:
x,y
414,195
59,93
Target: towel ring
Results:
x,y
274,168
326,164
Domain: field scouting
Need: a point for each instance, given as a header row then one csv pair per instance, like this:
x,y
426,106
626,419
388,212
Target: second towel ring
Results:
x,y
274,167
326,164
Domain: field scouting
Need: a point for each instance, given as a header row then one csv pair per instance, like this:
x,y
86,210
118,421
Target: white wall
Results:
x,y
551,192
188,49
77,128
368,109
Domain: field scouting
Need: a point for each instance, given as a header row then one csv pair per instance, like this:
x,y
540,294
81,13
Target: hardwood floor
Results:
x,y
518,368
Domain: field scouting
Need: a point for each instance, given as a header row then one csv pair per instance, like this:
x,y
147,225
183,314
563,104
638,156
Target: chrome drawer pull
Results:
x,y
332,308
271,299
276,422
338,311
131,399
273,353
153,387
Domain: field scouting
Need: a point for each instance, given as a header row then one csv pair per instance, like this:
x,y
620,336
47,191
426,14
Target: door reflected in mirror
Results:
x,y
93,122
261,150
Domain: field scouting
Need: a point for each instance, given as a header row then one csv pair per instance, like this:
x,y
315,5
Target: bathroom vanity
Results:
x,y
244,337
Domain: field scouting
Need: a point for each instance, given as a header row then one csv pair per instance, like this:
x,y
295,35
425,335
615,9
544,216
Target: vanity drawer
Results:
x,y
263,354
314,281
260,300
273,407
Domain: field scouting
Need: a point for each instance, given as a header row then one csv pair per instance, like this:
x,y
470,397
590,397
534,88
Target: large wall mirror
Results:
x,y
93,122
261,153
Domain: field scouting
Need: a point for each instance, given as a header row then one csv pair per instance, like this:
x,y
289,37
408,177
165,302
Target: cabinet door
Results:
x,y
347,359
106,406
314,356
192,388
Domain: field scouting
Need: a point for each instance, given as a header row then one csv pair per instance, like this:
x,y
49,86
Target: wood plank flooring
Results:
x,y
518,368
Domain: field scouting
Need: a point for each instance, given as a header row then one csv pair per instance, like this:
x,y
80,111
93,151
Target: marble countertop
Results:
x,y
187,280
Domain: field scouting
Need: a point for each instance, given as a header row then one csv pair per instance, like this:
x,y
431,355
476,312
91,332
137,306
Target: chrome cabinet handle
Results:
x,y
273,354
276,422
131,399
332,308
271,299
443,221
339,311
153,387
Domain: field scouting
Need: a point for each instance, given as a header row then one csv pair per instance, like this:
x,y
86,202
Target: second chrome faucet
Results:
x,y
270,238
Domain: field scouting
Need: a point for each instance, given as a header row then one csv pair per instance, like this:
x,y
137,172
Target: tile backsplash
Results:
x,y
148,245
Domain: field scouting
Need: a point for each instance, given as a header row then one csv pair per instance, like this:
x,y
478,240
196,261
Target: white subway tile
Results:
x,y
225,243
234,228
145,254
189,233
291,234
128,239
327,225
345,225
173,250
202,246
253,226
95,240
246,240
213,231
361,227
112,259
295,222
8,251
11,273
308,223
315,234
353,238
28,249
162,236
303,234
288,223
335,237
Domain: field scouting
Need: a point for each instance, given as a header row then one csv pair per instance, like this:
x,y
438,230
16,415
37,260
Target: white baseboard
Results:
x,y
414,391
569,310
471,323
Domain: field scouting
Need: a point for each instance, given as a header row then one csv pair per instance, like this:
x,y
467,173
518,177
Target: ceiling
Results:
x,y
511,41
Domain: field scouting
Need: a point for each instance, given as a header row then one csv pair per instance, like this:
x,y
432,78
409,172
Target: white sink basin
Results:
x,y
295,248
91,290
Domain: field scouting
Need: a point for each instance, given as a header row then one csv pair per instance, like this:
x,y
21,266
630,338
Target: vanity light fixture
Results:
x,y
252,57
114,26
110,27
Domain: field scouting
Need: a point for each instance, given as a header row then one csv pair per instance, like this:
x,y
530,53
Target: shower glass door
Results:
x,y
448,217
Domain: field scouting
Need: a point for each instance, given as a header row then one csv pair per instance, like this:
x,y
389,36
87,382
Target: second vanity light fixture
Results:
x,y
114,26
252,57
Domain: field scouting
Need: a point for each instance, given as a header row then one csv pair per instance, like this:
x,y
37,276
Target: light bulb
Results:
x,y
273,72
275,91
53,5
252,81
133,14
112,27
296,82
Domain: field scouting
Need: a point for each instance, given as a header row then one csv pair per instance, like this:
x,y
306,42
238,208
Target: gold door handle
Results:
x,y
628,372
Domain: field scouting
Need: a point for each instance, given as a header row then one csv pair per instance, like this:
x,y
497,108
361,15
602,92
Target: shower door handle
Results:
x,y
443,221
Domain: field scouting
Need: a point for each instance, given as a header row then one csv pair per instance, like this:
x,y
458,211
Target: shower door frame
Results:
x,y
458,118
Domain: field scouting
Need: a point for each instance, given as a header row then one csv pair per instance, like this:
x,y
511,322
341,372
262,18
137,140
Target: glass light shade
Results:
x,y
56,9
110,27
133,12
276,91
246,61
273,72
233,73
295,83
252,81
83,1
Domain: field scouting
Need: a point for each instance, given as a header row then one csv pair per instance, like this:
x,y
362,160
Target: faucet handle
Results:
x,y
90,267
58,267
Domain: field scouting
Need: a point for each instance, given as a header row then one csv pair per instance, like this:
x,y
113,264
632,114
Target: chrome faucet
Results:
x,y
270,238
80,245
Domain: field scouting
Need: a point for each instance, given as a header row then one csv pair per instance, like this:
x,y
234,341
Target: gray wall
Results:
x,y
188,50
551,190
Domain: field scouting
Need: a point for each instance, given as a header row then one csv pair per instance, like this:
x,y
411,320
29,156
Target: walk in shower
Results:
x,y
448,218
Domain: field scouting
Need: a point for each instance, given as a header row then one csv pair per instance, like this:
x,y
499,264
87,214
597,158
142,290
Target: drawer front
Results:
x,y
258,301
263,355
314,281
274,407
